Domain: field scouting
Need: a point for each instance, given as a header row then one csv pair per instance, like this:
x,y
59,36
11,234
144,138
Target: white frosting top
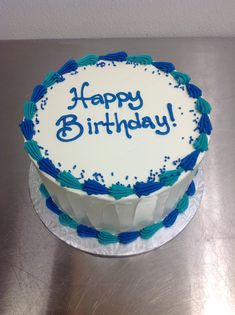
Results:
x,y
79,139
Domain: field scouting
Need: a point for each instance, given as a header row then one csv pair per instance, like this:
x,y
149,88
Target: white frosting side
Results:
x,y
115,156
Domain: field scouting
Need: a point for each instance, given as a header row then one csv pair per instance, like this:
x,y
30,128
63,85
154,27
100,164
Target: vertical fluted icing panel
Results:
x,y
126,214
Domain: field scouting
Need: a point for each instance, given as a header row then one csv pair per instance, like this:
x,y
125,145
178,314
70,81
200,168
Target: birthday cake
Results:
x,y
116,140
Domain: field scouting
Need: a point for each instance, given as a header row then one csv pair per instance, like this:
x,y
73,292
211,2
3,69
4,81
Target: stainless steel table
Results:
x,y
193,274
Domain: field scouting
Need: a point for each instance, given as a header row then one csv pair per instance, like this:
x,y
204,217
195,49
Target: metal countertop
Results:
x,y
193,274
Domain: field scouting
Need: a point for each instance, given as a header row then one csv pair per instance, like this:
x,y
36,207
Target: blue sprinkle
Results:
x,y
190,139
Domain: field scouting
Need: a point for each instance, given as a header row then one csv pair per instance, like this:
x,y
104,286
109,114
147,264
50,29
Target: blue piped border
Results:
x,y
106,238
117,191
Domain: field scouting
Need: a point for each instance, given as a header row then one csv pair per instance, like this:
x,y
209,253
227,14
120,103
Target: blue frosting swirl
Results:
x,y
166,67
29,110
38,92
189,161
203,106
191,189
182,205
201,143
52,206
48,167
204,124
193,90
170,218
128,237
86,231
181,78
33,149
51,78
119,191
118,56
141,59
66,179
92,187
44,191
106,238
67,221
69,66
87,60
168,178
144,189
27,128
150,230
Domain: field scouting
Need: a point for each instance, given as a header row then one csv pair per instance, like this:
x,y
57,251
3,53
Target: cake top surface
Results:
x,y
116,124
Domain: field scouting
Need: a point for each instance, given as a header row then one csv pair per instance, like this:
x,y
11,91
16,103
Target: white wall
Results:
x,y
28,19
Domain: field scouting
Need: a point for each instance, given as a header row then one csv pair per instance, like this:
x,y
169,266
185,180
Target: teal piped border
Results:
x,y
29,110
168,178
181,78
201,143
141,59
116,191
66,179
119,191
87,60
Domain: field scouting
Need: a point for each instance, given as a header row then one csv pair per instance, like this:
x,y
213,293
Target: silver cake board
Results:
x,y
91,245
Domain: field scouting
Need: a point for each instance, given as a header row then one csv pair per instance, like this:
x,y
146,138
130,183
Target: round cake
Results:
x,y
117,140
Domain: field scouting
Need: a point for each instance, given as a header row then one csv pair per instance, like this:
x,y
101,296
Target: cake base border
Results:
x,y
90,245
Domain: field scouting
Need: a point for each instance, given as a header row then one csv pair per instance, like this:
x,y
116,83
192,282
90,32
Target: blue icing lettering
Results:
x,y
134,102
147,122
162,124
106,124
71,129
68,121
